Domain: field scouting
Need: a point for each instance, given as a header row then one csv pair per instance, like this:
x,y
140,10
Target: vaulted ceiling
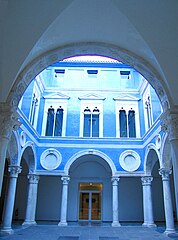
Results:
x,y
29,29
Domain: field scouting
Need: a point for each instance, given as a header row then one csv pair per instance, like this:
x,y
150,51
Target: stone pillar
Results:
x,y
167,200
9,205
147,202
31,200
8,122
169,124
115,202
65,182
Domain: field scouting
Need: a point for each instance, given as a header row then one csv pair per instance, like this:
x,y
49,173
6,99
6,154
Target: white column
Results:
x,y
31,200
147,202
115,202
8,122
65,183
167,200
9,205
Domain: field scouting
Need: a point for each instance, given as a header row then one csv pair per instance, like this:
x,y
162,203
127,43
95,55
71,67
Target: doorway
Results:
x,y
90,202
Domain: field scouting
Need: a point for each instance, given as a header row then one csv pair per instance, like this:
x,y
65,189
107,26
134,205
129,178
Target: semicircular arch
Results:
x,y
31,162
85,48
152,155
91,152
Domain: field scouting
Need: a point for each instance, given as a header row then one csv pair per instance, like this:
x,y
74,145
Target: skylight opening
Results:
x,y
91,58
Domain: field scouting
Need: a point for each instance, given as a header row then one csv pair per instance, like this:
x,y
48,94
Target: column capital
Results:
x,y
164,172
14,170
115,181
9,120
169,123
65,180
146,180
33,178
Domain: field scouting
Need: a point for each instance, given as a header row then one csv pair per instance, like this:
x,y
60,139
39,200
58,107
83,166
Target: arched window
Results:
x,y
91,122
50,122
148,111
131,123
33,109
58,122
123,123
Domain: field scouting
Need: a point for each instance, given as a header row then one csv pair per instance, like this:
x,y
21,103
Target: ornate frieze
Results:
x,y
146,180
14,170
109,50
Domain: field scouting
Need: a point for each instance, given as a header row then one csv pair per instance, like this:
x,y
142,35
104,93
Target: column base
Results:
x,y
170,231
7,231
27,223
115,224
149,225
62,224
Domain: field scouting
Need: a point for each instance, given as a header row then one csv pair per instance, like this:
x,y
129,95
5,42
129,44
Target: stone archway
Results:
x,y
90,179
93,48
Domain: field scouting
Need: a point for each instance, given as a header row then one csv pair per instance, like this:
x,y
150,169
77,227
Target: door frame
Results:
x,y
90,204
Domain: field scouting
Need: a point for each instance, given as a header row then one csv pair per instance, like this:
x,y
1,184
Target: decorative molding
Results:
x,y
165,173
65,180
9,120
146,180
33,178
14,170
115,181
91,97
50,159
169,123
126,97
130,160
56,96
37,65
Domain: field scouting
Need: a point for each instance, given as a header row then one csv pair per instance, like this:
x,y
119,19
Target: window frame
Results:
x,y
91,104
127,105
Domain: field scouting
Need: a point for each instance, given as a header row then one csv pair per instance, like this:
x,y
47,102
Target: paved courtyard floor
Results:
x,y
87,232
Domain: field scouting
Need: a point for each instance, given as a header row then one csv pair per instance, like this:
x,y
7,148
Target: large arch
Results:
x,y
29,149
90,152
152,155
85,48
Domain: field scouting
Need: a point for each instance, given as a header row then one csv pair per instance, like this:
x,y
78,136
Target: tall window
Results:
x,y
148,112
58,122
123,123
33,109
91,122
50,122
54,122
127,123
131,123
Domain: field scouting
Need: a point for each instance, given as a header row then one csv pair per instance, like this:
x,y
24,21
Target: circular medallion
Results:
x,y
50,159
129,161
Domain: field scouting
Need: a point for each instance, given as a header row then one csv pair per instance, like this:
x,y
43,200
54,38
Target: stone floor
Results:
x,y
87,232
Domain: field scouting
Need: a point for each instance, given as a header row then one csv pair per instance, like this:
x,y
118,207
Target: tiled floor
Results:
x,y
90,232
